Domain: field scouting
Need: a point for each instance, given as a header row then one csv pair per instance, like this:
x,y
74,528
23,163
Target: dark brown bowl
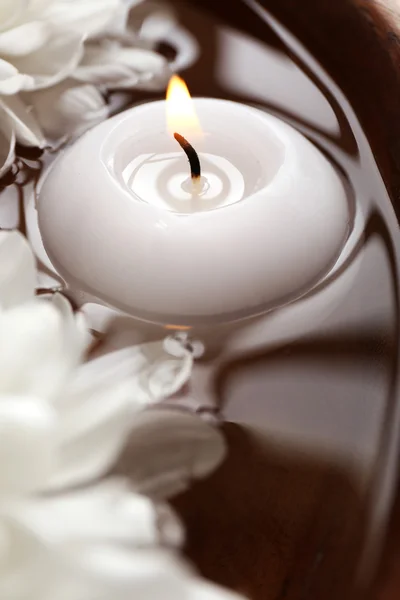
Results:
x,y
358,42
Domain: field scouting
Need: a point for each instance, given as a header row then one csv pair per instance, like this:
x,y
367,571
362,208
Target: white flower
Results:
x,y
168,449
152,22
65,422
61,424
53,53
52,544
180,343
41,41
67,109
127,57
41,44
117,65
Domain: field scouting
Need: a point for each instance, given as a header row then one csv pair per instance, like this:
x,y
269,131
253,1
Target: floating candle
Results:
x,y
121,221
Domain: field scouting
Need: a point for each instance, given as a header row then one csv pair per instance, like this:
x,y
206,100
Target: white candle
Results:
x,y
120,220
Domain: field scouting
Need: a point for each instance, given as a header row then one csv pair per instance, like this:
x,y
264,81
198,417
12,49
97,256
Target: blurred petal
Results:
x,y
24,39
7,150
52,62
97,407
20,119
180,344
88,17
107,512
27,444
151,21
10,11
83,567
154,22
116,66
67,109
17,269
167,449
33,360
147,574
76,334
89,447
199,589
152,373
11,81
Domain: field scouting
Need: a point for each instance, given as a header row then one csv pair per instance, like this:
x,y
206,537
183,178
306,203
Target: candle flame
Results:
x,y
181,115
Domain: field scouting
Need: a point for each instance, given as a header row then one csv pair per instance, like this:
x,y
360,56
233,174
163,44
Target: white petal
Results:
x,y
97,407
7,149
76,334
180,344
96,411
88,17
37,7
83,570
21,551
107,512
90,450
27,443
169,527
24,125
199,589
187,48
151,21
167,449
14,84
24,39
152,574
52,62
10,12
67,109
152,373
11,81
116,66
17,269
33,357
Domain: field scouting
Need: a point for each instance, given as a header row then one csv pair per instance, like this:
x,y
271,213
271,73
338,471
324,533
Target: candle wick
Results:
x,y
194,162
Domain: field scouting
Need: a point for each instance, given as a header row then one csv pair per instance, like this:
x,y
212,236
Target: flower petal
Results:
x,y
82,569
198,589
52,62
22,122
90,447
24,39
11,81
167,449
154,22
67,109
17,269
151,372
27,444
154,573
96,409
10,12
21,552
33,357
107,512
7,148
116,66
87,17
76,334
